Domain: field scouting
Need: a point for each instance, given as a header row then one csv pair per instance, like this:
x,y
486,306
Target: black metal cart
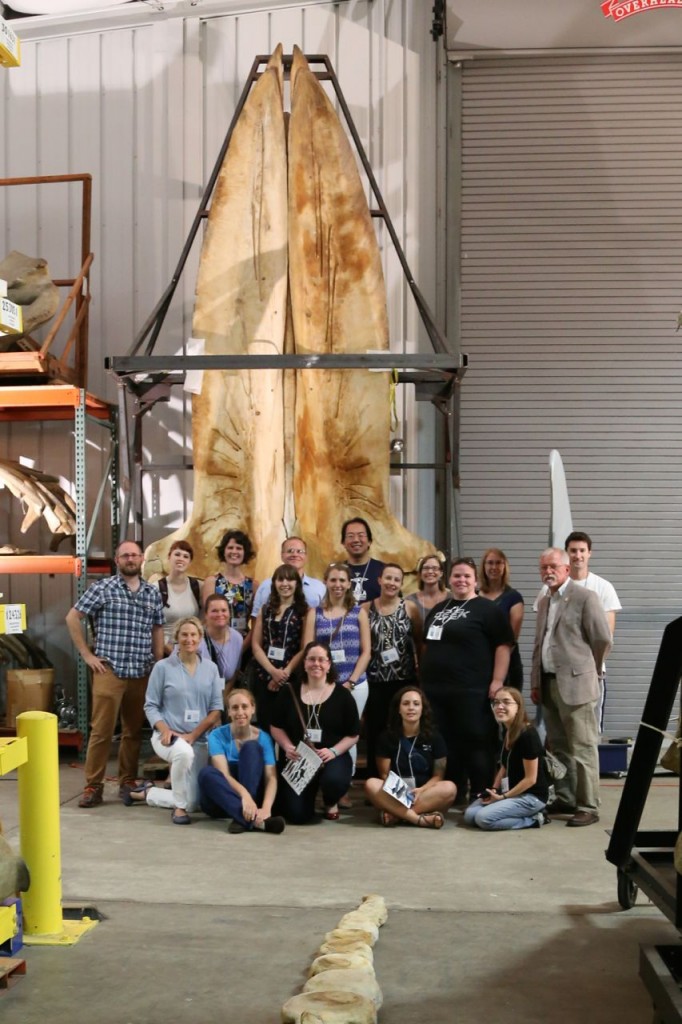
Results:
x,y
645,860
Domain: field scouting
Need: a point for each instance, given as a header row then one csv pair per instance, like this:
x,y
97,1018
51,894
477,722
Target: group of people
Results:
x,y
294,663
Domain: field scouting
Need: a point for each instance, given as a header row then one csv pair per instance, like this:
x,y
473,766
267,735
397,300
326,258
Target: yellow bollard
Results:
x,y
39,824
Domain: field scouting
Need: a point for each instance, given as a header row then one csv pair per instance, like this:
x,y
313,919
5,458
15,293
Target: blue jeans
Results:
x,y
512,812
217,799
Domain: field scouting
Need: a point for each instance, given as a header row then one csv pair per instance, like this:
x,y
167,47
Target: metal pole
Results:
x,y
39,823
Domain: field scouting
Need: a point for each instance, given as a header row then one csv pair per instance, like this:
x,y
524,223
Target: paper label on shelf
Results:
x,y
11,320
194,378
10,46
12,618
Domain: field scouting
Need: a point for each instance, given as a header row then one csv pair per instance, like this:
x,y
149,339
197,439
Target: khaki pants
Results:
x,y
111,696
573,736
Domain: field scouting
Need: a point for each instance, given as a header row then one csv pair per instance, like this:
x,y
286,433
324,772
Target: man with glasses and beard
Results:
x,y
127,617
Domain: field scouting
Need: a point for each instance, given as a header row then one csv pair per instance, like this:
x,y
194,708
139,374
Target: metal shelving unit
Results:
x,y
77,406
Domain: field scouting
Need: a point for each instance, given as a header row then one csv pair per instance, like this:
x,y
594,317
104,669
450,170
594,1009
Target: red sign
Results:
x,y
619,9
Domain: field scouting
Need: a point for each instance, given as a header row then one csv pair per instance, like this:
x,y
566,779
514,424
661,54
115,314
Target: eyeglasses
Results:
x,y
294,551
318,661
502,703
465,561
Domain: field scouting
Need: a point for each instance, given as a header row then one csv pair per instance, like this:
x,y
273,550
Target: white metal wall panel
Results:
x,y
143,106
571,263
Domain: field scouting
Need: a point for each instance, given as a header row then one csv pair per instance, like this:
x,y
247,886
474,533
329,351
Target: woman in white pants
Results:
x,y
183,702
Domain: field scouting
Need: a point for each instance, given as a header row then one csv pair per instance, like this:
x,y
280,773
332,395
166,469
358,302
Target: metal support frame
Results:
x,y
646,858
435,375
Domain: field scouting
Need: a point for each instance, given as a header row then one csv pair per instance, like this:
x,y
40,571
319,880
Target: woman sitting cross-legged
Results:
x,y
184,700
417,755
519,792
324,716
241,780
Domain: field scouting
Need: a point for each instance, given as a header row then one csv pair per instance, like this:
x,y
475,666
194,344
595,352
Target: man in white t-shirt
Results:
x,y
578,546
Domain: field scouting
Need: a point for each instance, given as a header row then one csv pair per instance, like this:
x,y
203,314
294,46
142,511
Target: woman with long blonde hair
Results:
x,y
518,795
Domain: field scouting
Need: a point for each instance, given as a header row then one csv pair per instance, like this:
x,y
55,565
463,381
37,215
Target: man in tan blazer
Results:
x,y
572,639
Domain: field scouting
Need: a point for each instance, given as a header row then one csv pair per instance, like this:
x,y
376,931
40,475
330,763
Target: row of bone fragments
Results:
x,y
342,987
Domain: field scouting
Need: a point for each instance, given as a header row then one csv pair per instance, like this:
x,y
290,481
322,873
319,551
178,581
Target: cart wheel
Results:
x,y
627,891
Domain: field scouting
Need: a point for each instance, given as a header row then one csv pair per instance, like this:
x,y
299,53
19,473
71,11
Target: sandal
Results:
x,y
437,820
331,815
388,820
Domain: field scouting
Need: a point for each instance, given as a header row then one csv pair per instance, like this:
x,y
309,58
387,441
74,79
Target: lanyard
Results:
x,y
383,632
409,756
314,717
451,615
271,619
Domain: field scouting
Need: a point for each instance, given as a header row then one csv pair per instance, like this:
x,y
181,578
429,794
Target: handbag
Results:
x,y
556,769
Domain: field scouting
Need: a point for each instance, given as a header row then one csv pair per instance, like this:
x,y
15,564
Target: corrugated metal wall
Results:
x,y
571,260
144,108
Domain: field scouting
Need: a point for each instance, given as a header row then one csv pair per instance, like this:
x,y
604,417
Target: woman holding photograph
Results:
x,y
416,754
325,716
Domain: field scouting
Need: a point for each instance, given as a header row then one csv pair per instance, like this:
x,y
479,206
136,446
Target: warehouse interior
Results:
x,y
528,158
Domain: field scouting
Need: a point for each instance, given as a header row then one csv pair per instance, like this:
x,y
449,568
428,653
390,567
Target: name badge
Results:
x,y
315,735
434,633
192,716
359,592
389,656
504,785
276,653
410,782
239,623
338,655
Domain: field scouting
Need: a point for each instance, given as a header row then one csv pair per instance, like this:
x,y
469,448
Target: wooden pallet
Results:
x,y
10,971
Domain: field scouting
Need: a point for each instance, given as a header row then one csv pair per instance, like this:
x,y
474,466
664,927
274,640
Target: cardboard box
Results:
x,y
28,689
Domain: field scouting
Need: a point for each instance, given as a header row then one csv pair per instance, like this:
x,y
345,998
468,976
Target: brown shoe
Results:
x,y
92,796
581,818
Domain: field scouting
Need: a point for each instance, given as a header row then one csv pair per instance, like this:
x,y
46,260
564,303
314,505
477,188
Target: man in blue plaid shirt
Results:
x,y
127,614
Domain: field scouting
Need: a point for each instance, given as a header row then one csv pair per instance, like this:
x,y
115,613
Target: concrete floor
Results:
x,y
200,925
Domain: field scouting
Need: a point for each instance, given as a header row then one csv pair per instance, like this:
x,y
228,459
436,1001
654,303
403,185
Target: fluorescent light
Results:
x,y
64,6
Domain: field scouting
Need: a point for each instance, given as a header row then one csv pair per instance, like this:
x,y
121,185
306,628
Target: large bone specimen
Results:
x,y
30,286
273,456
40,495
14,876
342,987
339,305
241,301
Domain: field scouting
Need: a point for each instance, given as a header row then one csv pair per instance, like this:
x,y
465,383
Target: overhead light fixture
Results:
x,y
64,6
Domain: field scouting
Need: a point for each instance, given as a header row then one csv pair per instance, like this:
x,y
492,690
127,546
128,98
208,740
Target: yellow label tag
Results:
x,y
12,618
11,319
10,46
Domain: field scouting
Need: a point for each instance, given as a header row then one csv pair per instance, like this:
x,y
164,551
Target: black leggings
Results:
x,y
333,780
